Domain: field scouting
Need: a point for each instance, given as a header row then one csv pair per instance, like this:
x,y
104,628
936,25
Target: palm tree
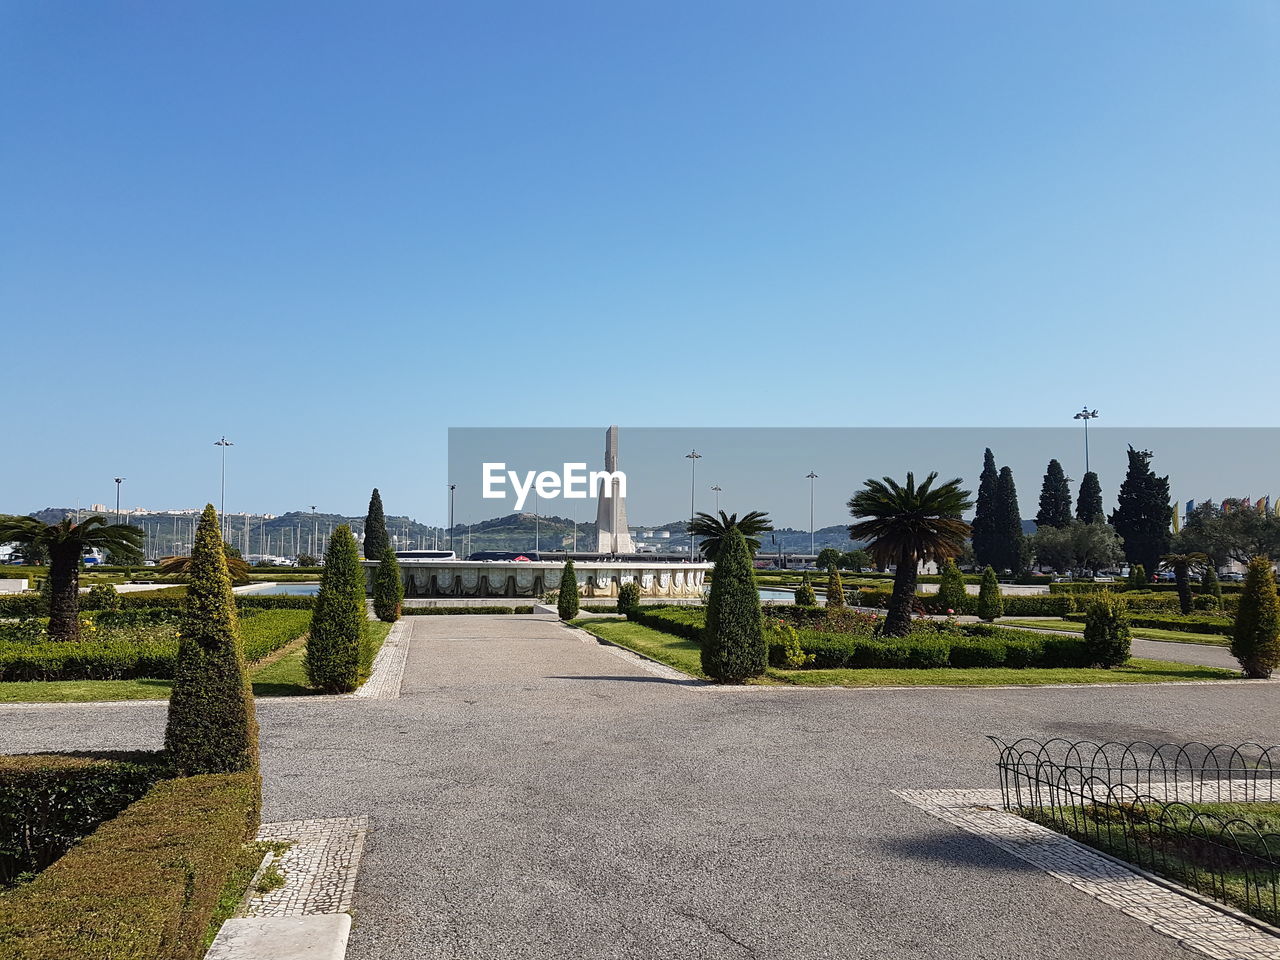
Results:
x,y
237,568
907,525
713,530
1182,564
66,543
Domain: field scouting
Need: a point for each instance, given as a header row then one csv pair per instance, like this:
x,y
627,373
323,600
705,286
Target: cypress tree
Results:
x,y
733,645
1089,503
567,602
1255,639
1143,511
1210,586
376,540
835,588
982,530
338,619
951,592
1009,546
1055,498
990,603
388,590
211,727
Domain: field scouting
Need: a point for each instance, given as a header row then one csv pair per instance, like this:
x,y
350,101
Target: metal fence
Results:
x,y
1181,811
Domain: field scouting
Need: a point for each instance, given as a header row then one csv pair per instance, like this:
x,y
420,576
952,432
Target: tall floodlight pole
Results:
x,y
452,487
315,531
811,476
119,480
1086,415
715,488
537,523
223,443
693,456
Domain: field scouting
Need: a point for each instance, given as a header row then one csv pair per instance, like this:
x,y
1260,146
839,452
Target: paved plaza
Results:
x,y
531,793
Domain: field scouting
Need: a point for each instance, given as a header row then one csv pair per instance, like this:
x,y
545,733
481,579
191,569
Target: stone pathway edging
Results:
x,y
388,666
1212,929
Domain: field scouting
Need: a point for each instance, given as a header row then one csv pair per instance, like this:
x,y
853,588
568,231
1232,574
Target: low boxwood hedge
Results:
x,y
31,604
454,611
144,885
48,802
976,645
685,622
1189,623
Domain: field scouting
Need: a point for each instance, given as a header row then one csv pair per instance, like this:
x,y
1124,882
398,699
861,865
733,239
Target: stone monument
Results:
x,y
612,535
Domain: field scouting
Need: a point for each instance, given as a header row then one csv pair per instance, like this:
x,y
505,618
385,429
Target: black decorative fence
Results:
x,y
1204,816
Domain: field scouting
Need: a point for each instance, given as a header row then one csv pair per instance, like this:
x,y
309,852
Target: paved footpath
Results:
x,y
534,795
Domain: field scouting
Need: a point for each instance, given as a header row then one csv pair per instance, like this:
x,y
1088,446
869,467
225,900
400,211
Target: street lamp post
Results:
x,y
811,476
693,456
119,480
452,487
223,443
715,487
1086,415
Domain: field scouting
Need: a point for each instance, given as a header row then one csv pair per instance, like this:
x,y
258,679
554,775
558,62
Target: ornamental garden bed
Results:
x,y
109,856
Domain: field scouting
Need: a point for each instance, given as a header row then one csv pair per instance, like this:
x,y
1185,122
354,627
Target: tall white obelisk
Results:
x,y
612,535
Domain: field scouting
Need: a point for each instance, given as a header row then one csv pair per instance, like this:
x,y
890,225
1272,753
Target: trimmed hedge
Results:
x,y
685,622
48,802
1123,586
979,645
1041,605
1190,623
262,633
145,884
455,611
17,605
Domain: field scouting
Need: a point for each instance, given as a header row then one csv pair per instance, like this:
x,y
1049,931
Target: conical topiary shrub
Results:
x,y
1106,631
835,588
733,645
804,595
1210,586
388,591
333,653
951,593
376,540
211,726
1255,639
567,600
990,603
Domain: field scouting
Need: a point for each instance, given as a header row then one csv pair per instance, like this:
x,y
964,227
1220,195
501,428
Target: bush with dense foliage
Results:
x,y
1189,623
376,541
1210,590
733,645
835,587
211,724
567,599
1106,631
1255,641
628,597
48,802
990,603
951,593
338,632
1138,578
145,884
388,589
804,595
785,649
102,596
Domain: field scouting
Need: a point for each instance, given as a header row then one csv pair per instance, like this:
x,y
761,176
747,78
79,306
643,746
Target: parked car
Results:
x,y
1233,577
1104,579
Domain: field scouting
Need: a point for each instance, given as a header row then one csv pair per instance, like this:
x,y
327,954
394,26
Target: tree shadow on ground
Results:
x,y
961,850
645,679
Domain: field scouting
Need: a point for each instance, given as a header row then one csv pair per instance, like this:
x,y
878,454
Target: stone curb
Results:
x,y
315,937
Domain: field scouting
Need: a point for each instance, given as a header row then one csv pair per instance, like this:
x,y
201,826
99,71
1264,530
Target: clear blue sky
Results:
x,y
331,231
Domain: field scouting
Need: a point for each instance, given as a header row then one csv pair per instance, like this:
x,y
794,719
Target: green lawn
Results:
x,y
684,655
282,677
1141,633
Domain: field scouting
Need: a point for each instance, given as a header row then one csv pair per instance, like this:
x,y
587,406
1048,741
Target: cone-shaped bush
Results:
x,y
951,588
990,603
628,598
1255,641
567,601
1210,586
804,595
733,645
1106,631
211,726
376,540
388,591
338,619
835,588
1138,577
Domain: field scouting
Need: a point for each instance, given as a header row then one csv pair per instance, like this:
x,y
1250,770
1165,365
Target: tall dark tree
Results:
x,y
1089,503
376,540
1255,638
66,543
1184,565
907,525
733,644
1009,542
1055,498
1143,512
984,535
